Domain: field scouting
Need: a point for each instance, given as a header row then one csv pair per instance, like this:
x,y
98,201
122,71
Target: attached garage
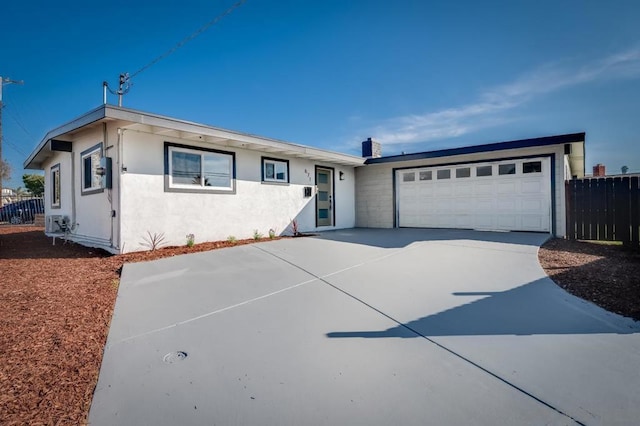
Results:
x,y
503,186
508,195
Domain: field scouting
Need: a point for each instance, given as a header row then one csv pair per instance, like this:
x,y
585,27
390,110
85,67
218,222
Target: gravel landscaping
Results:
x,y
58,300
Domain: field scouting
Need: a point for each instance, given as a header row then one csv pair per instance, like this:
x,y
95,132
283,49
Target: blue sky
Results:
x,y
416,75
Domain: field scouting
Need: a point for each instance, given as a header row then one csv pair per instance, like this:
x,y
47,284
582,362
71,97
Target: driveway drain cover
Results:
x,y
172,357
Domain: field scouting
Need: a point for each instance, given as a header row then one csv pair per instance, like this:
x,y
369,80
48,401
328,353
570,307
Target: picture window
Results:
x,y
200,170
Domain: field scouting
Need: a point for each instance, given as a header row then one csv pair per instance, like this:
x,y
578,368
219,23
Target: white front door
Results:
x,y
510,195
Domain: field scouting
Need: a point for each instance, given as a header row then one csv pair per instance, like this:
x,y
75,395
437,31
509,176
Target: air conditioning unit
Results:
x,y
57,223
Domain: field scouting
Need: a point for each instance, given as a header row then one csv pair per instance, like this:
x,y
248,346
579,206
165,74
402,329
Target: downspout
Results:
x,y
119,170
105,138
73,189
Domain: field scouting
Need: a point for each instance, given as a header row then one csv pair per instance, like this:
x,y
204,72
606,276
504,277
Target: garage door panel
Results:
x,y
463,189
484,204
506,187
516,201
484,188
507,221
531,187
506,204
532,222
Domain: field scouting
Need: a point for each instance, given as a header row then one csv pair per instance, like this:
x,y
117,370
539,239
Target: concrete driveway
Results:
x,y
364,327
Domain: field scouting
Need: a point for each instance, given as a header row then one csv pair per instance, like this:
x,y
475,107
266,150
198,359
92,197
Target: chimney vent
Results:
x,y
371,149
598,170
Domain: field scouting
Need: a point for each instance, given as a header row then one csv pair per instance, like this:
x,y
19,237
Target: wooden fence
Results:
x,y
605,209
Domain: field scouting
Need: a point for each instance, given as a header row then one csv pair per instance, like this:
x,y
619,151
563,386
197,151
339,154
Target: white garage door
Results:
x,y
509,195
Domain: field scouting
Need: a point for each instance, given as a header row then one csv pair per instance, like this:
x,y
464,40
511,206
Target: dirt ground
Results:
x,y
606,274
57,303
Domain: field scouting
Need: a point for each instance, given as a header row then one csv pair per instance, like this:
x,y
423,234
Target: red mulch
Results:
x,y
57,303
607,275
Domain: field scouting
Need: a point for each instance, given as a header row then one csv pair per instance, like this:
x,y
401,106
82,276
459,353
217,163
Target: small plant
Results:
x,y
190,240
272,233
232,239
153,241
294,228
256,235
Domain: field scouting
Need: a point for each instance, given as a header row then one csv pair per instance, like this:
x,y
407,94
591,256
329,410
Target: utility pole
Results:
x,y
3,81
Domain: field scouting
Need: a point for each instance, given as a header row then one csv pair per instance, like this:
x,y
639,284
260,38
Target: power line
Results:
x,y
187,39
125,83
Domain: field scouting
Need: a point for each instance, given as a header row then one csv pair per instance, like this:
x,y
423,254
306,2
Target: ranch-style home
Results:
x,y
116,178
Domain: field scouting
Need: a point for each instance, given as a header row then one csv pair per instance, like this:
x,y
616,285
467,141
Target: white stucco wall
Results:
x,y
374,193
91,218
147,208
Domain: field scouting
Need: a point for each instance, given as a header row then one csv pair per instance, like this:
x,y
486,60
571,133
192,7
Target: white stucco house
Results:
x,y
116,176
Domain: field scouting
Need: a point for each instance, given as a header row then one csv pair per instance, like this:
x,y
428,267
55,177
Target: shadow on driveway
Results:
x,y
402,237
539,307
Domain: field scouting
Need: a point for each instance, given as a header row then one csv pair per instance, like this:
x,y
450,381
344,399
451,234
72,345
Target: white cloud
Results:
x,y
491,106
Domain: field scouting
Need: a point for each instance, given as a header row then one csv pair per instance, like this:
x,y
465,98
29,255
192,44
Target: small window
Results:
x,y
200,170
507,169
444,174
532,167
55,186
484,171
409,177
91,180
463,172
427,175
275,170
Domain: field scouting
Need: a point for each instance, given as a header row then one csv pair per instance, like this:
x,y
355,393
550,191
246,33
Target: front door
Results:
x,y
324,197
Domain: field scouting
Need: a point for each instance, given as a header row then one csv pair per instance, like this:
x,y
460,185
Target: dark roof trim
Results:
x,y
523,143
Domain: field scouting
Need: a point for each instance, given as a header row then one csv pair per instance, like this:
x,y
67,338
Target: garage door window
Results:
x,y
532,167
507,169
464,172
483,171
444,174
427,175
408,177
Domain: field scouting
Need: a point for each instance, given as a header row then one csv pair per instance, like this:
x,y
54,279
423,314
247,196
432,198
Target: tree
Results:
x,y
34,183
624,169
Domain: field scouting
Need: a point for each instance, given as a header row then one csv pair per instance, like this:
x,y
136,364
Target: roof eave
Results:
x,y
39,154
474,149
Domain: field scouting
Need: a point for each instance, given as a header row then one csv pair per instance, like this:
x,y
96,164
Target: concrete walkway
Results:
x,y
364,327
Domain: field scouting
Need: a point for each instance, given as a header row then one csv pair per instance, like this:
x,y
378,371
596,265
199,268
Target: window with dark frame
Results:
x,y
532,167
409,177
484,171
444,174
55,186
426,175
274,170
463,172
507,169
198,169
90,161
